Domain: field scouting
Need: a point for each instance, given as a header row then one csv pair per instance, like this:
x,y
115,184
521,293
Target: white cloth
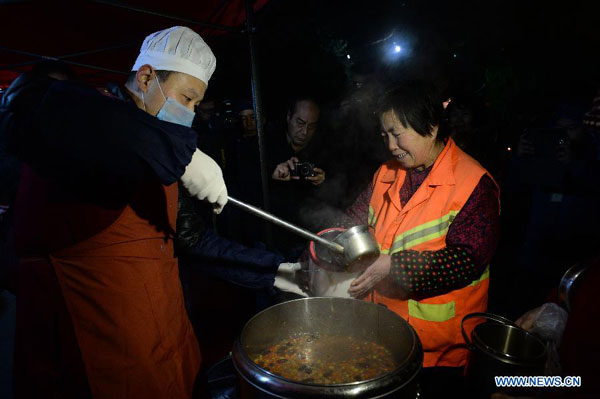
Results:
x,y
285,278
327,283
177,49
203,179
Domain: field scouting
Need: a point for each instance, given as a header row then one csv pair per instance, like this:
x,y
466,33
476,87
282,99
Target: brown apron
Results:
x,y
122,290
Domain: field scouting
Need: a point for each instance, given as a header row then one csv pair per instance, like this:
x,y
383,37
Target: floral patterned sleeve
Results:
x,y
470,245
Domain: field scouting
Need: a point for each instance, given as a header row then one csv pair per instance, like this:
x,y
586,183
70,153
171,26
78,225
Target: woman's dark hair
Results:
x,y
417,104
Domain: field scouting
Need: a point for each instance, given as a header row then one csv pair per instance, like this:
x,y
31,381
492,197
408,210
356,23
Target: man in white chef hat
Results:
x,y
103,314
171,77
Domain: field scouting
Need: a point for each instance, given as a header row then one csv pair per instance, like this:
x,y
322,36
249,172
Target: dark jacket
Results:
x,y
79,134
191,224
200,248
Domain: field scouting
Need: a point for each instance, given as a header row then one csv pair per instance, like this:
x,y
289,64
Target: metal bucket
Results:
x,y
327,275
568,284
500,348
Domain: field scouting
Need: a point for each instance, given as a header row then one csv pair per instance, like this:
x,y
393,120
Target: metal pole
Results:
x,y
96,67
173,17
258,112
60,57
286,225
55,59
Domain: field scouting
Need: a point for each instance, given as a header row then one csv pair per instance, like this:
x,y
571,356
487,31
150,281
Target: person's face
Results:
x,y
461,119
573,128
183,88
206,110
302,124
248,122
406,145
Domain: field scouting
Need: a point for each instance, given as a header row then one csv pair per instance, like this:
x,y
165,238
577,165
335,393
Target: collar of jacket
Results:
x,y
116,90
441,173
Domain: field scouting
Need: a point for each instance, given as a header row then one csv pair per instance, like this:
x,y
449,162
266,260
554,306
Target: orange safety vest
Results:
x,y
422,225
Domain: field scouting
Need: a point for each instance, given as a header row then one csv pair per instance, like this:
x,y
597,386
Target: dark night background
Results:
x,y
522,58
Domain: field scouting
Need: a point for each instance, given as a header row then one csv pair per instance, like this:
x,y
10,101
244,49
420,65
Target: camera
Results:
x,y
303,170
229,119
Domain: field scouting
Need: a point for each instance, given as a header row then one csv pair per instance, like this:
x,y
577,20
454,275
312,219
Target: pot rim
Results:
x,y
287,380
312,249
413,354
479,342
568,281
297,390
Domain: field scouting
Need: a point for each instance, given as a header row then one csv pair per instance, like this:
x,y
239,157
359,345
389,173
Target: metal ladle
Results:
x,y
354,247
337,248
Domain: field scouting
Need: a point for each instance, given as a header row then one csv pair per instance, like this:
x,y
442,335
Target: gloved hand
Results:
x,y
285,279
203,179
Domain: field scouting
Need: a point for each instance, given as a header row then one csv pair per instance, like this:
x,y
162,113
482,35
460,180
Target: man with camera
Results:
x,y
302,120
295,159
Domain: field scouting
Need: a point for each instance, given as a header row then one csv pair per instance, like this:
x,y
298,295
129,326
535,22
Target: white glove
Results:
x,y
203,179
285,279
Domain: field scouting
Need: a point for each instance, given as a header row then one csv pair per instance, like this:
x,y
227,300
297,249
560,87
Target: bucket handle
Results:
x,y
483,315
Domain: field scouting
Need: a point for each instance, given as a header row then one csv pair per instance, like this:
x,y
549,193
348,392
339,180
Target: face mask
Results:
x,y
172,111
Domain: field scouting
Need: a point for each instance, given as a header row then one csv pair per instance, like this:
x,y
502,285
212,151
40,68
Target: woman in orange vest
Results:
x,y
434,211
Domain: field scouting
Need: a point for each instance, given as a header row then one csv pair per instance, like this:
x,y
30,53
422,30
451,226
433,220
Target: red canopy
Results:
x,y
60,28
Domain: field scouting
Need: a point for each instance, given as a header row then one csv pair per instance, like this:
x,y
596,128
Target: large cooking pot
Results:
x,y
344,317
499,347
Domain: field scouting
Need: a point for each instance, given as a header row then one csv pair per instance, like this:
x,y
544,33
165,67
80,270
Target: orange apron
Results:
x,y
122,291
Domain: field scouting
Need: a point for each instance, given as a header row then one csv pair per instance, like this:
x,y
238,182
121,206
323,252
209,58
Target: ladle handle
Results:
x,y
286,225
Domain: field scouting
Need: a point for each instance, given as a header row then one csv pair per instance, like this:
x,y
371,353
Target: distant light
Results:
x,y
454,55
509,149
397,49
348,56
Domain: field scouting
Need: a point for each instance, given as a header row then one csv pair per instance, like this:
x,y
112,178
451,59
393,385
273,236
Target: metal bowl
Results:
x,y
322,256
360,247
327,275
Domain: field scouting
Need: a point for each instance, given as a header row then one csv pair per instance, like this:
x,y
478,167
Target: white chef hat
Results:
x,y
177,49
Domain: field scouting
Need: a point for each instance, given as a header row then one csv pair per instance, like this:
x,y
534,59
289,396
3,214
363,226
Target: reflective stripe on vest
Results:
x,y
418,235
486,274
371,218
439,311
431,312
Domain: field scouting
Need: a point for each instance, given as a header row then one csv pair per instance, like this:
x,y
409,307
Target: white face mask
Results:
x,y
172,111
